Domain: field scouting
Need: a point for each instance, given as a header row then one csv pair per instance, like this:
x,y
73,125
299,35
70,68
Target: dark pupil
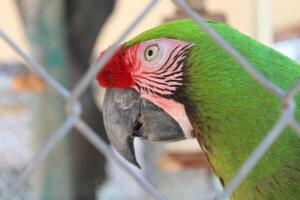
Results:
x,y
150,52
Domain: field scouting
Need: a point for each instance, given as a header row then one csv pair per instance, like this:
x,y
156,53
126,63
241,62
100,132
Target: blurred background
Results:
x,y
64,36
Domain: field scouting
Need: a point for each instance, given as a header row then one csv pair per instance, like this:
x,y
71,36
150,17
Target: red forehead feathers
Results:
x,y
116,73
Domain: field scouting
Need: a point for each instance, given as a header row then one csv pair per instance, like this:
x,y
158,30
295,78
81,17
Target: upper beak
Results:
x,y
126,115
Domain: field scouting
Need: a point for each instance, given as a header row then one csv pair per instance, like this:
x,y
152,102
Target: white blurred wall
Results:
x,y
240,14
123,15
11,24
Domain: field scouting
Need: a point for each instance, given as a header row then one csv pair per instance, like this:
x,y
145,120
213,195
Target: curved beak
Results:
x,y
126,115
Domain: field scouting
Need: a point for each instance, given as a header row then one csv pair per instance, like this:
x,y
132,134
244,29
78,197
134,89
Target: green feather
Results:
x,y
231,112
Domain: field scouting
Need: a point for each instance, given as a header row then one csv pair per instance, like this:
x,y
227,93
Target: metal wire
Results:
x,y
97,65
74,109
259,151
288,106
228,48
9,184
91,136
62,131
34,66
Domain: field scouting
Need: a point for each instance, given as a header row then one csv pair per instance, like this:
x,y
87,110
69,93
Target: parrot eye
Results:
x,y
151,52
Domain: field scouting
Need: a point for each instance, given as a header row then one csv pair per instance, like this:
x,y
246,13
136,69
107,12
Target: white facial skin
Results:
x,y
157,65
160,49
157,69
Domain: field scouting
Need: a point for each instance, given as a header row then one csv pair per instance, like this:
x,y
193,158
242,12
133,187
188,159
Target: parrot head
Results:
x,y
174,82
143,81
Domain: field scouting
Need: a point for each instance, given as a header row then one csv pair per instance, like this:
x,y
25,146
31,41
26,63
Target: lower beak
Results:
x,y
127,115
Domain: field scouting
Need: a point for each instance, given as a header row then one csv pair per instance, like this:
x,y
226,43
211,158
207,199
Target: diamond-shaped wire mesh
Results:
x,y
73,119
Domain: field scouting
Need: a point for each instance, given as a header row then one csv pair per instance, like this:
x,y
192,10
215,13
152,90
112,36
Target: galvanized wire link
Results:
x,y
98,64
92,137
259,151
34,66
289,95
64,129
291,92
287,102
229,49
286,119
9,185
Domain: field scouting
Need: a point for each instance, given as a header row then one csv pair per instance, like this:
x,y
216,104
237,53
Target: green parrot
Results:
x,y
173,82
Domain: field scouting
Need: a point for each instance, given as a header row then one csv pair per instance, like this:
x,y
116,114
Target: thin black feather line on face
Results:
x,y
138,86
170,55
182,53
148,90
163,69
157,80
169,81
168,78
153,87
177,69
168,86
158,92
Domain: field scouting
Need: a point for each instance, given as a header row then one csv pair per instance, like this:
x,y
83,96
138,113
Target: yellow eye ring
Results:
x,y
151,52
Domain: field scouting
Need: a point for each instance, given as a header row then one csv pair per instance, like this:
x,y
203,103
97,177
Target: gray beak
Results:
x,y
126,115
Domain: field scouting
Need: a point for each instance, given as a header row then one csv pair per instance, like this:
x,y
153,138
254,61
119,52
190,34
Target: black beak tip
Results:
x,y
132,155
136,164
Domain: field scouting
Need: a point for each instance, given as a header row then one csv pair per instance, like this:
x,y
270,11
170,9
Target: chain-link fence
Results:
x,y
73,108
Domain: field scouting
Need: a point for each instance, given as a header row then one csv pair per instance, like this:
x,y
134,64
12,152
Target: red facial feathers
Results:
x,y
116,73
